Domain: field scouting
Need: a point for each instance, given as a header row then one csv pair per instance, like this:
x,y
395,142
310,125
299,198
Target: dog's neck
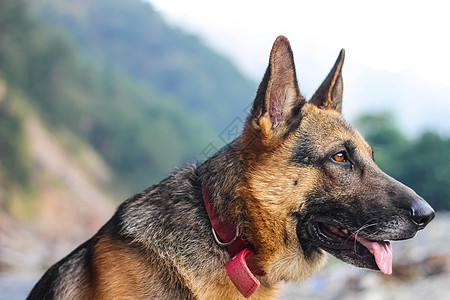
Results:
x,y
222,173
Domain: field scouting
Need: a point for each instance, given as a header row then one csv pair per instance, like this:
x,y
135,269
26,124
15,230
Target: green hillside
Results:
x,y
132,36
146,96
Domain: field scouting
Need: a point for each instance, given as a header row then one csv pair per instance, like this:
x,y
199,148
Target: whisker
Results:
x,y
362,228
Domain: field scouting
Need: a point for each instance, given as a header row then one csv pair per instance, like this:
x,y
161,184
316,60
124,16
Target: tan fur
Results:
x,y
119,272
221,288
269,211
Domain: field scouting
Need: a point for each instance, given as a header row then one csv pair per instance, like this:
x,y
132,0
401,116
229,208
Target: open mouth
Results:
x,y
349,246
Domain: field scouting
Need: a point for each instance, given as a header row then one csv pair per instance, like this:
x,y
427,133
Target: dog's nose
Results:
x,y
421,213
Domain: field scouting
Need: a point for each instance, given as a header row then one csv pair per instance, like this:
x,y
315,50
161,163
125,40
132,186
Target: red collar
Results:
x,y
241,267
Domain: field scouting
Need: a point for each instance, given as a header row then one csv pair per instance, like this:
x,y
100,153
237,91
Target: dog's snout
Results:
x,y
421,213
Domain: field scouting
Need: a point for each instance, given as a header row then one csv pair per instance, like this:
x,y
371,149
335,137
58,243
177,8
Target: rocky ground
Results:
x,y
69,205
421,267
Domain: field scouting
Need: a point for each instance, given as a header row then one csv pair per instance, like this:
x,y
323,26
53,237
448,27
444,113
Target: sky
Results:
x,y
409,39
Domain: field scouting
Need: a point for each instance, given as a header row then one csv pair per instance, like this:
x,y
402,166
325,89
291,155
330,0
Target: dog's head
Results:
x,y
310,181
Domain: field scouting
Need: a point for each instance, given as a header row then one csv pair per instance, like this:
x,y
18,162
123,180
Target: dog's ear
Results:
x,y
329,94
276,109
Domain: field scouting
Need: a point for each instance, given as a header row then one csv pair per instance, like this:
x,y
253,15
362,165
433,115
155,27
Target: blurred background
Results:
x,y
101,99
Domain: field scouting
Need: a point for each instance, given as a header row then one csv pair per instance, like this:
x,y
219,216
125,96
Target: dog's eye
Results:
x,y
340,157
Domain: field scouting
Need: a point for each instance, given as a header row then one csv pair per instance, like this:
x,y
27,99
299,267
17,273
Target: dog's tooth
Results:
x,y
371,251
344,231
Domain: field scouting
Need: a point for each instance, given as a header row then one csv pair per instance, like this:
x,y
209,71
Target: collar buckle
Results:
x,y
225,244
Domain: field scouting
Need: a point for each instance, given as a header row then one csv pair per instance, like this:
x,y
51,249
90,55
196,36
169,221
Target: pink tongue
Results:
x,y
382,252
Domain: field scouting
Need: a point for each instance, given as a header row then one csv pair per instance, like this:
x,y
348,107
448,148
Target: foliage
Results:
x,y
142,133
14,165
133,37
14,168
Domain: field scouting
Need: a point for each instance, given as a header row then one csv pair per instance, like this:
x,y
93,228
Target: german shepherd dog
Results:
x,y
298,182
